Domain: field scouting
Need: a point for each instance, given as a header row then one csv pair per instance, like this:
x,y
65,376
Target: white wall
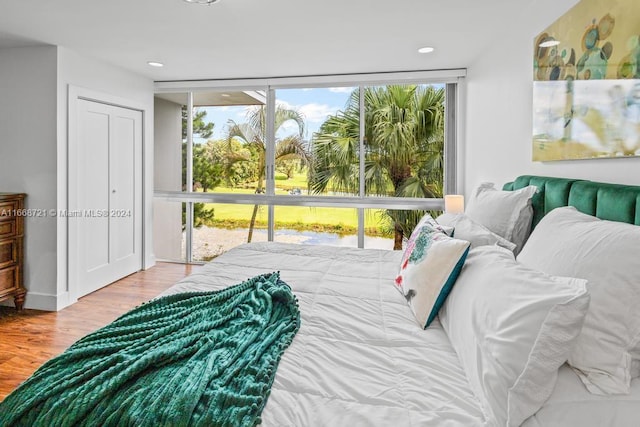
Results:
x,y
33,158
498,144
88,73
28,155
167,216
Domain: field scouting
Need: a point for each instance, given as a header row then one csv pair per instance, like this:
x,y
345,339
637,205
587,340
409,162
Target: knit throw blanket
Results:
x,y
191,359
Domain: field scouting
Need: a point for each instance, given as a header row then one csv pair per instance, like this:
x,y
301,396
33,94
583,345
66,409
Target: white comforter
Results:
x,y
360,358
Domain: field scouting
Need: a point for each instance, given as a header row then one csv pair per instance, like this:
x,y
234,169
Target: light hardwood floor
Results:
x,y
30,338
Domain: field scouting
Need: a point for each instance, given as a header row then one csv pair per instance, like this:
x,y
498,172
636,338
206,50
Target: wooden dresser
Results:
x,y
12,214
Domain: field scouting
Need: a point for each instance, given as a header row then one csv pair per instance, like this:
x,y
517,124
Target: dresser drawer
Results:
x,y
9,279
8,228
8,252
9,207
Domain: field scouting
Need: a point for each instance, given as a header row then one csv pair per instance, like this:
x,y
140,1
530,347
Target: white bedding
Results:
x,y
571,404
361,359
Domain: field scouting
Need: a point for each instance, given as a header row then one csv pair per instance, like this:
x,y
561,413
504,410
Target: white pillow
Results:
x,y
506,213
512,327
606,253
467,229
429,268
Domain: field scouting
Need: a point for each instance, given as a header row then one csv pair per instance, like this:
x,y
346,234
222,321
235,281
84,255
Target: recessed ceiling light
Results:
x,y
549,43
155,64
426,49
225,95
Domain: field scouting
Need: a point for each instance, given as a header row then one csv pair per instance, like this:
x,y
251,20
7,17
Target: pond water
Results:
x,y
333,239
209,242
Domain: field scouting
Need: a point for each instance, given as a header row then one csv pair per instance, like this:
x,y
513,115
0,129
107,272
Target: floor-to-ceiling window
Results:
x,y
339,160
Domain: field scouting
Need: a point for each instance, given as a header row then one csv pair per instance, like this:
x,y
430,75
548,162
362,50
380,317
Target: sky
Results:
x,y
315,105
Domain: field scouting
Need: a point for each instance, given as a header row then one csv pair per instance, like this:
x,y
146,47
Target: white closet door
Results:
x,y
105,198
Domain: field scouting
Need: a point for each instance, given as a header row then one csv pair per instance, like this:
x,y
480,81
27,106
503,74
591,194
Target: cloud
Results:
x,y
317,113
246,111
287,128
341,89
312,112
314,115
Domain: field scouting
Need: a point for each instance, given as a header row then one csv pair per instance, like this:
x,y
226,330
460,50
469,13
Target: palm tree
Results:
x,y
403,142
252,134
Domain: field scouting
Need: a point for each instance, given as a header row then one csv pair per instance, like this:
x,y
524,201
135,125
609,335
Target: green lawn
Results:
x,y
320,219
289,214
299,180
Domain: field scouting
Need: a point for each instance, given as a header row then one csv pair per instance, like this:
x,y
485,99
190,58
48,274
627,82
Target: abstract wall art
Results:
x,y
586,83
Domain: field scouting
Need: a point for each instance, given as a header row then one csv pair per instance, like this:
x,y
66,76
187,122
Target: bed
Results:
x,y
360,358
351,362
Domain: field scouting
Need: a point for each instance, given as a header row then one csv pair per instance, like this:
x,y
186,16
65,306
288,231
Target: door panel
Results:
x,y
105,197
123,195
94,230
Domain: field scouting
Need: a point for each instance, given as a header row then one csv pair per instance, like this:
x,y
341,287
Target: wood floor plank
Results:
x,y
31,337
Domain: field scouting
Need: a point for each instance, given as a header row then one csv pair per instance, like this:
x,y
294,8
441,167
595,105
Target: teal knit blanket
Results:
x,y
190,359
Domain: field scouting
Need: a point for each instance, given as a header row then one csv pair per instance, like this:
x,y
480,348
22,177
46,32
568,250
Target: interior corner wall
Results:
x,y
167,216
498,145
85,72
27,157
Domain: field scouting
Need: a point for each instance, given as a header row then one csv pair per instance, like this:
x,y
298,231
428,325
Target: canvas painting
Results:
x,y
586,89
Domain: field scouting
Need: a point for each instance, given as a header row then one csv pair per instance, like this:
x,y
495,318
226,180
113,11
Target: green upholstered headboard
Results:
x,y
613,202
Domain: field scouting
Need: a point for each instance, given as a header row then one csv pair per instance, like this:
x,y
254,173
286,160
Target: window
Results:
x,y
305,160
328,135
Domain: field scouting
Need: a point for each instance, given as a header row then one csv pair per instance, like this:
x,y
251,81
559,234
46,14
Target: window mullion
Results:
x,y
450,131
189,180
270,158
361,168
362,153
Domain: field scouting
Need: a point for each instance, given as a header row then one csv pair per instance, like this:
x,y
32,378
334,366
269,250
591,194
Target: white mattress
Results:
x,y
361,359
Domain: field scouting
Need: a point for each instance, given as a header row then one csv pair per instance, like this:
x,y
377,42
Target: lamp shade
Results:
x,y
454,203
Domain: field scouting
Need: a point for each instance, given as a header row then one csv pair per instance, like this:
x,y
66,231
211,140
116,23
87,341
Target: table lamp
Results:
x,y
454,203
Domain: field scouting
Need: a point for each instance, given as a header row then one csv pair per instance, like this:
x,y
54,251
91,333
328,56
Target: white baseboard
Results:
x,y
149,262
47,302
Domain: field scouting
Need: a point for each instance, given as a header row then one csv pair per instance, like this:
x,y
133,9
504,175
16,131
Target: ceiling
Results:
x,y
264,38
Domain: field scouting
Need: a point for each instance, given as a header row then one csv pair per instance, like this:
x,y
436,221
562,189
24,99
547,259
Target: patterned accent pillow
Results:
x,y
429,268
447,229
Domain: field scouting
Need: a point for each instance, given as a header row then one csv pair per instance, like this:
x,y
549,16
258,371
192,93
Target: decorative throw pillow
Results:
x,y
428,220
506,213
512,328
568,242
429,268
467,229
